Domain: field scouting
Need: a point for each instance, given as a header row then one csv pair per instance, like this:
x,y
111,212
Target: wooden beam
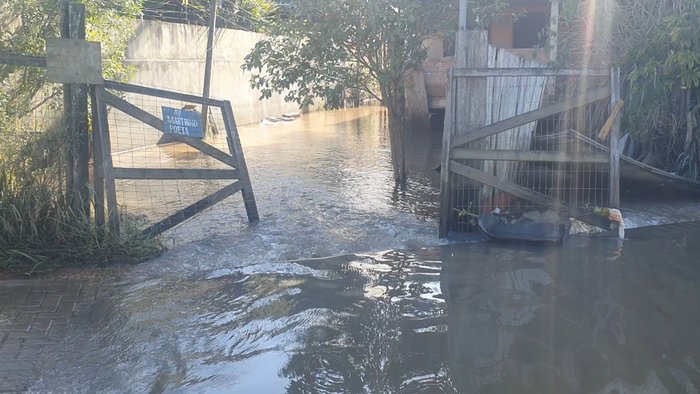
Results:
x,y
192,210
615,140
97,166
106,153
529,195
22,61
610,123
125,87
445,184
531,116
173,173
553,36
236,149
481,72
509,187
532,156
157,124
75,106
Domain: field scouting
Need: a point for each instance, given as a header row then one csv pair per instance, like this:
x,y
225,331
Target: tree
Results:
x,y
655,43
39,227
232,14
24,27
318,49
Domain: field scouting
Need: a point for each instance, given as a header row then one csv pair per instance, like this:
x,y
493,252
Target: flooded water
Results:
x,y
593,316
250,309
324,186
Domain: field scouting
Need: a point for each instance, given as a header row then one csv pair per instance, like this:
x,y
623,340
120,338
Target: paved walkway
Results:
x,y
35,314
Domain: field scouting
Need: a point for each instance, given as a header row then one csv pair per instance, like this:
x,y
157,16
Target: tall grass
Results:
x,y
39,230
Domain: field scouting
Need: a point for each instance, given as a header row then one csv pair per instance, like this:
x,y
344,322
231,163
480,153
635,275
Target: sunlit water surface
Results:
x,y
249,310
592,316
324,186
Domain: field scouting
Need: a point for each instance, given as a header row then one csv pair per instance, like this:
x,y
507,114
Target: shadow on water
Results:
x,y
592,316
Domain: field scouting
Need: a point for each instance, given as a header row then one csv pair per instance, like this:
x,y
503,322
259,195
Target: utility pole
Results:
x,y
209,61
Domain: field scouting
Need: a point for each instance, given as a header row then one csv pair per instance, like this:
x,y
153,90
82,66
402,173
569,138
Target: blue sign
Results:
x,y
183,121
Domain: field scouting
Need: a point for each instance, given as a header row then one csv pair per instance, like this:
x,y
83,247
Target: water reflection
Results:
x,y
584,318
462,318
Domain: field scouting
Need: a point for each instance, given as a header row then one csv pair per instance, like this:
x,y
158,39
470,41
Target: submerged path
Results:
x,y
238,308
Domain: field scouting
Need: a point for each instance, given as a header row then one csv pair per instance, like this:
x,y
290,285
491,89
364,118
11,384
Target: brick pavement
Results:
x,y
35,314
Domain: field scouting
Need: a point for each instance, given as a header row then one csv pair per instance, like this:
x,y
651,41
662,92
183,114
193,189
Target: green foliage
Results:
x,y
321,48
656,45
27,23
38,228
233,14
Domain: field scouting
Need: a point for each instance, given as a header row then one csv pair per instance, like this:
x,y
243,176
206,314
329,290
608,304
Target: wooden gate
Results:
x,y
116,96
499,130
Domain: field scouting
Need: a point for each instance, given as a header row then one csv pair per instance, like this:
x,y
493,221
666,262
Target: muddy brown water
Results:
x,y
249,310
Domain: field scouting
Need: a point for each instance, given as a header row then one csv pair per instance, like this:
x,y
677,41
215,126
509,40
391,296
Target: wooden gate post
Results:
x,y
75,101
445,176
615,140
234,145
105,149
465,111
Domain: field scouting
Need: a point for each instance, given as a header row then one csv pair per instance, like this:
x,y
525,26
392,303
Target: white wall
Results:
x,y
172,56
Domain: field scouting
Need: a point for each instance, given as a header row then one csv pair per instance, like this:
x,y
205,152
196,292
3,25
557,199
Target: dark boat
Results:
x,y
501,227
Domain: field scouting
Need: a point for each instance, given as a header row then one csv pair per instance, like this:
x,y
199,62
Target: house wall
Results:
x,y
172,56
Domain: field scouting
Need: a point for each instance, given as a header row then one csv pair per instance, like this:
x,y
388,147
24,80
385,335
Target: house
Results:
x,y
524,28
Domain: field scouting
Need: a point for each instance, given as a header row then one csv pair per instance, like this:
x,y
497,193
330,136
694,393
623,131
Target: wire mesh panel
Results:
x,y
539,146
161,176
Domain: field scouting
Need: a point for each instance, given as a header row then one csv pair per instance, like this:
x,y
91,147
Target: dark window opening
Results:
x,y
448,45
530,30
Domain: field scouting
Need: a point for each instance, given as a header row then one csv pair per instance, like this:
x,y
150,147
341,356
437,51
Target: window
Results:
x,y
530,30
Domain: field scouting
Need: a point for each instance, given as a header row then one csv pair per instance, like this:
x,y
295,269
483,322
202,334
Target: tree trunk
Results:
x,y
395,101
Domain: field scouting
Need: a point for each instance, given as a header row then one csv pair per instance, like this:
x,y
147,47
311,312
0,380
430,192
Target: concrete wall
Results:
x,y
171,56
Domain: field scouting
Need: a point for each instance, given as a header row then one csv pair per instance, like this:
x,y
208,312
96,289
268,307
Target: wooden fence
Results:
x,y
495,125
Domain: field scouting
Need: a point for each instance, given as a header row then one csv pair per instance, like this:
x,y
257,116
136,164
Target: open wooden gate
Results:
x,y
488,159
110,168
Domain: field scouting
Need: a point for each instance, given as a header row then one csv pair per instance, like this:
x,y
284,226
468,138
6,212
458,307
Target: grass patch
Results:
x,y
39,231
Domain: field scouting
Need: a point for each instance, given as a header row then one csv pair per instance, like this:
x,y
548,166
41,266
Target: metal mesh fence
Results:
x,y
579,184
135,144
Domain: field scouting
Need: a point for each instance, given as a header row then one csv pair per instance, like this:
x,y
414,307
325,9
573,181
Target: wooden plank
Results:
x,y
527,194
531,116
125,87
22,61
445,184
509,187
97,166
173,173
157,124
192,210
483,72
610,123
531,156
75,104
553,34
234,145
615,140
105,145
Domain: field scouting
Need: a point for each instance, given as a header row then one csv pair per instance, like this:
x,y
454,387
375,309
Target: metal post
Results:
x,y
209,62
